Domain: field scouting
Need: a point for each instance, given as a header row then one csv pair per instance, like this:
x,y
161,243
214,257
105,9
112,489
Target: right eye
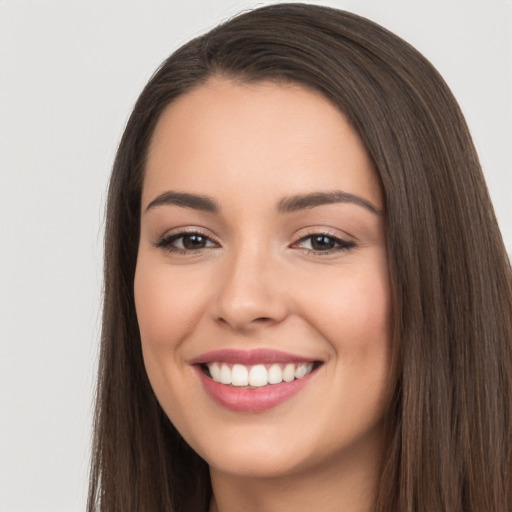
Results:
x,y
186,242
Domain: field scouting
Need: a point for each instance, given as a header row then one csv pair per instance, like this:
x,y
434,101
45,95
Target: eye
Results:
x,y
323,243
186,242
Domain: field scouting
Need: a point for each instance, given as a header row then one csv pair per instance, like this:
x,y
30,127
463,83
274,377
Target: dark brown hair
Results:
x,y
450,420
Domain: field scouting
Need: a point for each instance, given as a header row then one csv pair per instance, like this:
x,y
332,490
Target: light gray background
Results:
x,y
70,71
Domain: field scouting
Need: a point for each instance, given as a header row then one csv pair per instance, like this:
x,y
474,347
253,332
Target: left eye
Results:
x,y
323,243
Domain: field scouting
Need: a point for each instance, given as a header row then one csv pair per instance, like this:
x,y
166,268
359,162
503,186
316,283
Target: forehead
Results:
x,y
264,137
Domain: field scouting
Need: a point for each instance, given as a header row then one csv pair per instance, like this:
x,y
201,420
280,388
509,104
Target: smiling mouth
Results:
x,y
258,375
254,381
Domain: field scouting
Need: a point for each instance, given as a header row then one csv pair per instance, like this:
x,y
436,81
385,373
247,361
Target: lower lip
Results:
x,y
254,399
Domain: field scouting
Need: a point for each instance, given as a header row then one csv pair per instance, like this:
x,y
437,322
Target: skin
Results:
x,y
257,283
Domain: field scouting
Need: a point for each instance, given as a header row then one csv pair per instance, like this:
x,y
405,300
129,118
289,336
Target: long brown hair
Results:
x,y
450,420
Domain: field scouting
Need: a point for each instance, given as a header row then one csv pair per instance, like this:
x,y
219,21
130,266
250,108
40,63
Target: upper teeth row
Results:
x,y
258,375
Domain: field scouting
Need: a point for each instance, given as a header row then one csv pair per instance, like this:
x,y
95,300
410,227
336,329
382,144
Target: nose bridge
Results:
x,y
249,292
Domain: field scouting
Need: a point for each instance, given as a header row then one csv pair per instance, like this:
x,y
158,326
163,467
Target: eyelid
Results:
x,y
344,243
164,242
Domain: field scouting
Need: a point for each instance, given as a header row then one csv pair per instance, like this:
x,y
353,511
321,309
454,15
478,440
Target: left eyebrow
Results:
x,y
305,201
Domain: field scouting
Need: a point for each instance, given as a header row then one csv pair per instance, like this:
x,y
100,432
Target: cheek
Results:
x,y
358,330
356,321
354,314
167,308
163,314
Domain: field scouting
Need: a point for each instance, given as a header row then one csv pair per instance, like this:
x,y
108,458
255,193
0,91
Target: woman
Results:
x,y
307,299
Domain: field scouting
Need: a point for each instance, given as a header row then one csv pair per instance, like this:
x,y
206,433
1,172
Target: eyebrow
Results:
x,y
286,205
305,201
195,201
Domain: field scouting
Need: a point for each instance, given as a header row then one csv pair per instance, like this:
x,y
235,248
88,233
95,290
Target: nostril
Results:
x,y
259,320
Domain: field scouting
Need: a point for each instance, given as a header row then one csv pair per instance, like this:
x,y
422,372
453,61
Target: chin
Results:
x,y
254,464
262,453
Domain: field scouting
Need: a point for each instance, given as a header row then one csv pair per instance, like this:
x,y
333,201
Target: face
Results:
x,y
261,287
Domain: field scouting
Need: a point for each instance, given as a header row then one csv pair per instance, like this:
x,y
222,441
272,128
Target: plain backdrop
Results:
x,y
70,72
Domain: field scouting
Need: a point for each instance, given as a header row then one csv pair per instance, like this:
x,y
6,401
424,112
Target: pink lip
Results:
x,y
252,400
249,357
256,399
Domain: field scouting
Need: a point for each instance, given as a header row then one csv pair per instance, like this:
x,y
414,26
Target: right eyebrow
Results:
x,y
195,201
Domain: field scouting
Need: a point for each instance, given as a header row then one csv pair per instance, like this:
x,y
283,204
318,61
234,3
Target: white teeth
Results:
x,y
258,375
301,370
215,372
289,372
239,375
225,374
275,374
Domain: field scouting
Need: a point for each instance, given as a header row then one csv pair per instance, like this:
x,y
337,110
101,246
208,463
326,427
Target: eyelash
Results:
x,y
342,245
167,242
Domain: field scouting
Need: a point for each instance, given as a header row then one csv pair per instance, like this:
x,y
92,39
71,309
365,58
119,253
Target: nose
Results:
x,y
251,292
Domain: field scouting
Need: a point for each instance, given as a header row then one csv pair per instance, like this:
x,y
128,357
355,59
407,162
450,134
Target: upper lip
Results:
x,y
250,357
